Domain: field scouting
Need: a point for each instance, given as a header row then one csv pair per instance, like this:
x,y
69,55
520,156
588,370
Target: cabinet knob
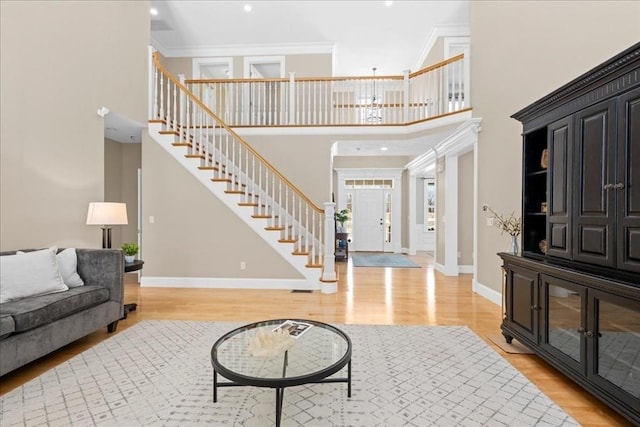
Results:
x,y
589,334
619,186
607,186
535,307
581,330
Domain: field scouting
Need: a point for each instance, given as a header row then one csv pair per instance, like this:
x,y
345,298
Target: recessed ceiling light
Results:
x,y
388,3
383,148
247,7
154,11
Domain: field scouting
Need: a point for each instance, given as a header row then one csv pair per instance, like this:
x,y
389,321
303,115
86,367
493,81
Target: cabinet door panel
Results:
x,y
614,345
564,321
522,304
559,210
628,197
594,206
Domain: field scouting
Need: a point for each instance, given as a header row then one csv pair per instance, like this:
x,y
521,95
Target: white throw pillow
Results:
x,y
28,274
68,266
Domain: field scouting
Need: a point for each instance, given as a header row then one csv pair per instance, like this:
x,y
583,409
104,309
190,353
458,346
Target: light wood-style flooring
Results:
x,y
415,296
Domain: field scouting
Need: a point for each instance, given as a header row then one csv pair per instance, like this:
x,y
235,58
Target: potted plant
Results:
x,y
342,217
130,250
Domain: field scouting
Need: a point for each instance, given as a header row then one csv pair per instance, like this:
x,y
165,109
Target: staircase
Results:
x,y
242,179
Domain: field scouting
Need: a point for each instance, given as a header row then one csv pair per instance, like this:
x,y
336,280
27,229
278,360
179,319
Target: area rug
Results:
x,y
379,259
158,373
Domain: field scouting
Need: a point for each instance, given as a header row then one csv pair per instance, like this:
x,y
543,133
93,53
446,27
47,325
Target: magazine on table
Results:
x,y
295,328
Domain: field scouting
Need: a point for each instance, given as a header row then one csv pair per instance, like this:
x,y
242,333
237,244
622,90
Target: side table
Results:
x,y
128,268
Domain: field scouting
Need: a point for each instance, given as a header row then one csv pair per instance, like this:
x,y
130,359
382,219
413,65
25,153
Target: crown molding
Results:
x,y
436,33
245,50
459,142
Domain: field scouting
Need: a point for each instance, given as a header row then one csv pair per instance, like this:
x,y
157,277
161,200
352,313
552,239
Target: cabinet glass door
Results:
x,y
563,332
617,343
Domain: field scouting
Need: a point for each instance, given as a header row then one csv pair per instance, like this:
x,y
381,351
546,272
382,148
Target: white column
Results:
x,y
329,278
412,215
451,213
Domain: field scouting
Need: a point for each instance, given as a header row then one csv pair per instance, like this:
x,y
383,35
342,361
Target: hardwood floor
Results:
x,y
416,296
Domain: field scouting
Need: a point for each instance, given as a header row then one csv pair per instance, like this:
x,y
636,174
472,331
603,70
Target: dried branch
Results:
x,y
511,225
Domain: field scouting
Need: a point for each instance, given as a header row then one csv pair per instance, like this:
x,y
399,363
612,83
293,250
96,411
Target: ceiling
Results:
x,y
360,35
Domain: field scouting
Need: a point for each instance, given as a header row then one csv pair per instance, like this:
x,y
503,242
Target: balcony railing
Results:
x,y
435,91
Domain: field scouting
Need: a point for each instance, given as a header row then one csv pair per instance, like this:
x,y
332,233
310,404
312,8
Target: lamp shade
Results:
x,y
107,213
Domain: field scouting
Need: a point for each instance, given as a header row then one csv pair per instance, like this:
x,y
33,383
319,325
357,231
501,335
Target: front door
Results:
x,y
368,220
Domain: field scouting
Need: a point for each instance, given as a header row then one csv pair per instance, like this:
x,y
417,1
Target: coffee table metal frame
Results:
x,y
279,384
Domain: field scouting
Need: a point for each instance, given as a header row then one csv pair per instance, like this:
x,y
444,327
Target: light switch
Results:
x,y
152,219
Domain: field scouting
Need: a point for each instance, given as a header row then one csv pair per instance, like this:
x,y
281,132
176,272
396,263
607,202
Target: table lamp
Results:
x,y
106,214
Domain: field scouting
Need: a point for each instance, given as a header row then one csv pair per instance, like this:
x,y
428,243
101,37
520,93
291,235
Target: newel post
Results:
x,y
292,98
329,279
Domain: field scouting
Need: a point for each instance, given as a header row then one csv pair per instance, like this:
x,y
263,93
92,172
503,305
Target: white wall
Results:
x,y
521,51
59,62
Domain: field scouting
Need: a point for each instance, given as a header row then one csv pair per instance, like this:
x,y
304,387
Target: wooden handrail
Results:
x,y
438,65
231,132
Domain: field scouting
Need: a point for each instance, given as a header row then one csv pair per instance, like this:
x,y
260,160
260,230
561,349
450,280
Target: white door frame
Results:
x,y
252,60
199,62
394,174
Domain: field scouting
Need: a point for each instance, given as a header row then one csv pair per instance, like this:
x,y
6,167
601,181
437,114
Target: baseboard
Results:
x,y
439,267
227,283
465,269
486,292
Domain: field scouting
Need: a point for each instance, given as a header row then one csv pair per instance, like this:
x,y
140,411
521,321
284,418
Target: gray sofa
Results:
x,y
35,326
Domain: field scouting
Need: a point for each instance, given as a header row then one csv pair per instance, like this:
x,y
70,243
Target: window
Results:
x,y
430,205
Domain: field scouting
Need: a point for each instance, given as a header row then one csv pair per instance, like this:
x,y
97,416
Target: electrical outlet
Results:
x,y
243,265
152,219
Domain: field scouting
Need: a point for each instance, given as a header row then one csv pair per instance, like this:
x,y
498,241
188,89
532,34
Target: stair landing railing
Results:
x,y
436,91
232,160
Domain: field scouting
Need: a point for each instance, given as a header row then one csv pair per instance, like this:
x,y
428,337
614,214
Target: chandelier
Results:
x,y
374,110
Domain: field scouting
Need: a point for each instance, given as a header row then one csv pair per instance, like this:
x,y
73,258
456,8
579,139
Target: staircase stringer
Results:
x,y
277,216
192,164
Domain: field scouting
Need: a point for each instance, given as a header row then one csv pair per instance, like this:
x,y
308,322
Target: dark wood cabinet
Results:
x,y
573,295
594,201
560,137
628,181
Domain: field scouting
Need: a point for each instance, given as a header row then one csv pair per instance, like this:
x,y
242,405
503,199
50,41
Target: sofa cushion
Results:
x,y
68,265
7,325
28,274
31,312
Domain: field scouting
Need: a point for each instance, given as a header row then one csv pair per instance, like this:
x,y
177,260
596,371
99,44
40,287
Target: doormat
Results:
x,y
379,259
516,347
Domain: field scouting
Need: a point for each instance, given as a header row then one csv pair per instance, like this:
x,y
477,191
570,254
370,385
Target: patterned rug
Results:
x,y
380,259
158,373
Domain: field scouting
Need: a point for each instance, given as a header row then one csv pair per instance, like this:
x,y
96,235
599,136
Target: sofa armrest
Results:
x,y
103,267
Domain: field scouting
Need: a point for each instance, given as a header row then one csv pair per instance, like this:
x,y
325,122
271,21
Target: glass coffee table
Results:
x,y
317,353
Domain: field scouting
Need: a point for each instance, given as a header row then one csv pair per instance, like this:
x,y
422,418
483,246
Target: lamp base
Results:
x,y
106,237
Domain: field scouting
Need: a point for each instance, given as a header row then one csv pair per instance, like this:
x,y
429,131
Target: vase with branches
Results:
x,y
510,224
